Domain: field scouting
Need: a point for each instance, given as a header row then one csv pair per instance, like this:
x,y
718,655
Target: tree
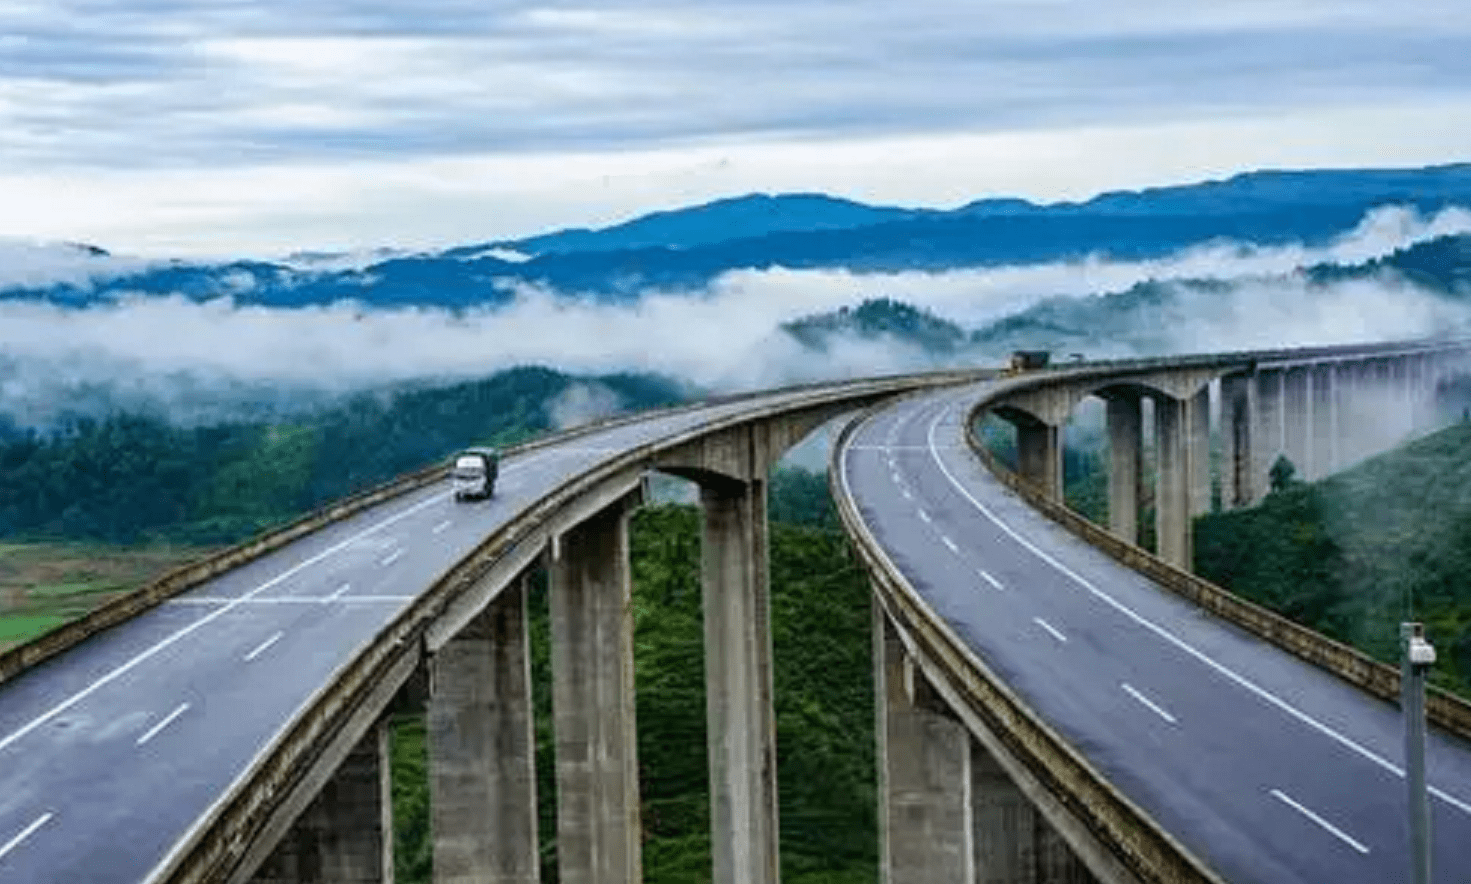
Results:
x,y
1282,475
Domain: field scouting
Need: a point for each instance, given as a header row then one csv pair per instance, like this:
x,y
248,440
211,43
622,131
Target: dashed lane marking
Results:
x,y
1148,703
1327,826
261,648
25,833
1050,628
168,720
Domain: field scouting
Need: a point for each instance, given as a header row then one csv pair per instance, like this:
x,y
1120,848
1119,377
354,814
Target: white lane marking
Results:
x,y
905,491
440,528
391,558
1050,628
986,576
950,543
337,593
1150,704
1261,692
261,648
25,833
1329,827
168,720
292,600
925,516
146,654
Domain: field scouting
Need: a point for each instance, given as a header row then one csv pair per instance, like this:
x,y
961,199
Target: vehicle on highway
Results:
x,y
474,472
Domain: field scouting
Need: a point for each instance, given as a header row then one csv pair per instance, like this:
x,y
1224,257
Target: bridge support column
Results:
x,y
1237,396
924,767
1320,428
482,751
740,718
1013,843
1125,464
1267,441
598,829
1199,444
345,836
1172,419
1297,407
1039,457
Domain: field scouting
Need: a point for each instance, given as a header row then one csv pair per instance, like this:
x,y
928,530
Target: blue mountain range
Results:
x,y
688,247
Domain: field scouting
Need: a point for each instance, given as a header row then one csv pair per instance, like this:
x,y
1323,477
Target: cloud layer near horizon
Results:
x,y
203,359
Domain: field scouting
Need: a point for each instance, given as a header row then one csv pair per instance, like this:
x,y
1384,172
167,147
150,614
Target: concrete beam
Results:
x,y
1172,494
598,828
1039,457
741,721
1125,464
924,759
1013,843
345,835
482,750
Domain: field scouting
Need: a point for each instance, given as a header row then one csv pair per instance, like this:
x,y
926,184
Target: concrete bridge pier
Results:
x,y
482,750
1173,421
598,827
345,835
1322,399
739,705
1125,417
948,809
1238,479
926,825
1199,445
1267,430
1039,456
1297,405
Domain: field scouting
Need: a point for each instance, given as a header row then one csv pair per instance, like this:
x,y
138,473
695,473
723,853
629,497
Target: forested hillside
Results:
x,y
132,478
1355,554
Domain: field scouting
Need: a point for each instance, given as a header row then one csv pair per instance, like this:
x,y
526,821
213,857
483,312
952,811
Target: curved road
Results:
x,y
1267,768
110,752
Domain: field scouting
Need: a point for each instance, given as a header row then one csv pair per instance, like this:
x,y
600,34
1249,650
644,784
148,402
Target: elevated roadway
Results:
x,y
1266,768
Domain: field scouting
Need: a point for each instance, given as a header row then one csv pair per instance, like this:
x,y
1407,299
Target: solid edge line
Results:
x,y
1153,707
119,671
25,833
1327,826
168,720
1241,680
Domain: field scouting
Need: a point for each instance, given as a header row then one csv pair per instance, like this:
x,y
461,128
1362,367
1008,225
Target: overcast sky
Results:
x,y
261,126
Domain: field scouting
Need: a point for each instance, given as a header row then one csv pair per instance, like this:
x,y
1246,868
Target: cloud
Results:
x,y
165,125
211,360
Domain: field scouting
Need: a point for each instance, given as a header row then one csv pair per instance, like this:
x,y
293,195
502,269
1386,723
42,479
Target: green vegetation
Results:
x,y
824,703
879,318
42,585
1353,555
131,479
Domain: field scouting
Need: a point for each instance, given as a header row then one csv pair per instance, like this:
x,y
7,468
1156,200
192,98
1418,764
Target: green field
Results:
x,y
43,585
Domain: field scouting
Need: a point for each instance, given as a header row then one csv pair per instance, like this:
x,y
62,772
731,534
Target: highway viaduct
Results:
x,y
975,785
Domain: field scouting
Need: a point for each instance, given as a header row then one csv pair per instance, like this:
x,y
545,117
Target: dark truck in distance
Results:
x,y
473,473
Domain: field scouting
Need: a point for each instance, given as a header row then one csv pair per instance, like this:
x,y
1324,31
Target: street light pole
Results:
x,y
1416,659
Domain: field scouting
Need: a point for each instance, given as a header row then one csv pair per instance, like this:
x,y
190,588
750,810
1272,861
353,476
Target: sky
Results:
x,y
231,127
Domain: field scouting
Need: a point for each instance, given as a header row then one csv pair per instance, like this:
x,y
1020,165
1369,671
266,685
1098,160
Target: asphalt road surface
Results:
x,y
1267,768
